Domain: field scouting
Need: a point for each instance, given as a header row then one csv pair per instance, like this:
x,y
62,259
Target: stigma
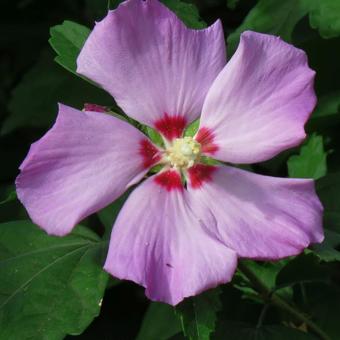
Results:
x,y
182,153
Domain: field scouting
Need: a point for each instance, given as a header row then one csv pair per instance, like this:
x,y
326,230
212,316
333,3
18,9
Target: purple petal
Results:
x,y
83,163
259,103
258,216
159,243
154,66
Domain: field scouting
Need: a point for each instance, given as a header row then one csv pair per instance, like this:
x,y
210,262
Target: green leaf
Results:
x,y
233,330
34,100
10,206
326,117
324,305
50,286
328,189
67,40
311,162
188,13
198,314
159,323
273,17
231,4
329,249
268,272
328,104
326,18
304,268
8,194
323,56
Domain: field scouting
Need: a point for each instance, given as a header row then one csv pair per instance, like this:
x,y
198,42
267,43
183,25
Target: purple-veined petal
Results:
x,y
83,163
159,243
259,217
259,103
152,64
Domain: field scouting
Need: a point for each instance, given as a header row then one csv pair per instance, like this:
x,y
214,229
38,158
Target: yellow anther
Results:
x,y
183,153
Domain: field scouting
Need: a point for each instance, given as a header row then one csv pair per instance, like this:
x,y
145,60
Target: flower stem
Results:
x,y
270,297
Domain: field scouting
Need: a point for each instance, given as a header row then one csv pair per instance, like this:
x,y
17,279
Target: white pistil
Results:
x,y
182,153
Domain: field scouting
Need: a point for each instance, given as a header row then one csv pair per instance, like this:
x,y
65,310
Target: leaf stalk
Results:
x,y
272,298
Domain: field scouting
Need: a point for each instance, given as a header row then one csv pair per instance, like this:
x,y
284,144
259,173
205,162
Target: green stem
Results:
x,y
303,293
268,296
262,315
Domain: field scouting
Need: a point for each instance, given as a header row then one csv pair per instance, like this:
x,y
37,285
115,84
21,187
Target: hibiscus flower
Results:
x,y
181,230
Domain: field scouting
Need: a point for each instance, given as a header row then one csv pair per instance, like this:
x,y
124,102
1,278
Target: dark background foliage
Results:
x,y
31,85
